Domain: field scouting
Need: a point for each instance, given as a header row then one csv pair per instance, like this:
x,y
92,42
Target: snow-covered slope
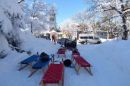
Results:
x,y
30,43
110,61
9,74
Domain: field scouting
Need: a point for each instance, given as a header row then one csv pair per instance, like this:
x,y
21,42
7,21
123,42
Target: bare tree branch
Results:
x,y
114,8
110,18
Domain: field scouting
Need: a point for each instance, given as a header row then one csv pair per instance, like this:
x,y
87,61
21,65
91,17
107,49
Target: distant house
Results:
x,y
102,34
45,34
48,34
108,34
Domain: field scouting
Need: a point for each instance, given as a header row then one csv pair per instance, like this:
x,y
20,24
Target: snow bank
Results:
x,y
110,63
4,44
33,44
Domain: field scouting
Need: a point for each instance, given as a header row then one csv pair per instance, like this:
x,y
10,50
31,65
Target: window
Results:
x,y
96,38
90,37
84,37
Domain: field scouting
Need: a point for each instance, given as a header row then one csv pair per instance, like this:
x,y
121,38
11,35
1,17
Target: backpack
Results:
x,y
44,57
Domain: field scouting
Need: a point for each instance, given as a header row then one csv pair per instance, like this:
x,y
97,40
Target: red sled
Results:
x,y
61,51
80,62
54,75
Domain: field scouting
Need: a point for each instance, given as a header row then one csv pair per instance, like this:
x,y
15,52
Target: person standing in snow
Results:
x,y
54,39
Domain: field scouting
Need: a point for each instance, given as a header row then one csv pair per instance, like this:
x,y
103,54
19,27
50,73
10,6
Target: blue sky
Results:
x,y
67,8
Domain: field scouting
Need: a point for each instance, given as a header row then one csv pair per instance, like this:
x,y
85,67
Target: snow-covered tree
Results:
x,y
40,16
37,15
11,21
52,17
120,9
84,19
69,27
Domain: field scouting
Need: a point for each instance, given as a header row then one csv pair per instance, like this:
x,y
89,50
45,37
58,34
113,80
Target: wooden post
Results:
x,y
43,84
78,69
88,70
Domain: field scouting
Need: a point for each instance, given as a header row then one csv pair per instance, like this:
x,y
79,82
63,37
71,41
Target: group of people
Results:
x,y
67,44
70,44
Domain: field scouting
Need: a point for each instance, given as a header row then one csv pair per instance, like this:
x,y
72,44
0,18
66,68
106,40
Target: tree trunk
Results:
x,y
123,16
31,28
125,32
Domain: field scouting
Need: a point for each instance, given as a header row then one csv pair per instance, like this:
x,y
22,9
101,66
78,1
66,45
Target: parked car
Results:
x,y
84,39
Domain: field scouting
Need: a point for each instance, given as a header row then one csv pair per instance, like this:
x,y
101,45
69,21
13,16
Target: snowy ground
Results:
x,y
110,61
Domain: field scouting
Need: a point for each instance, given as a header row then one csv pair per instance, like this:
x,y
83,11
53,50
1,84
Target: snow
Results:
x,y
110,60
5,21
4,44
30,43
11,5
11,20
110,64
9,66
8,7
37,16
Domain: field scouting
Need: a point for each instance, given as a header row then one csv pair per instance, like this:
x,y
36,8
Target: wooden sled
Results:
x,y
54,75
